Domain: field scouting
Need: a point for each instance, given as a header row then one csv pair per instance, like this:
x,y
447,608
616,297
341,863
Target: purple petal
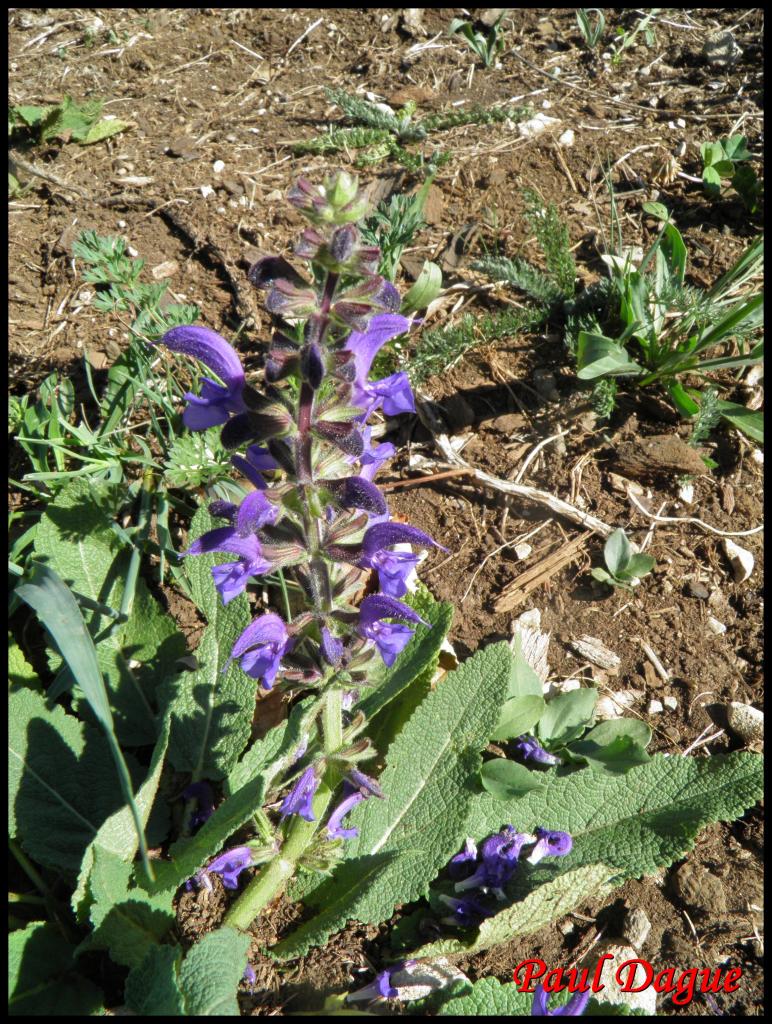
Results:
x,y
208,347
365,344
384,535
254,512
267,629
378,606
300,797
334,829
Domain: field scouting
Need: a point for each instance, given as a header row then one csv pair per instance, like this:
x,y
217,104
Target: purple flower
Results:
x,y
393,393
390,639
465,913
393,567
380,988
203,794
365,785
232,577
257,461
575,1006
373,457
499,855
356,492
300,797
550,844
217,401
249,977
349,802
261,647
530,749
462,864
229,864
365,346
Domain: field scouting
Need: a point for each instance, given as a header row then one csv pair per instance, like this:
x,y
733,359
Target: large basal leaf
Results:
x,y
633,823
429,781
211,972
212,707
41,977
75,538
490,998
63,784
545,903
152,989
117,837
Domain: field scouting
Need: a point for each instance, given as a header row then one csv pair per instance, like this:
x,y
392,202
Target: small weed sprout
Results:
x,y
625,40
487,47
726,159
591,29
624,569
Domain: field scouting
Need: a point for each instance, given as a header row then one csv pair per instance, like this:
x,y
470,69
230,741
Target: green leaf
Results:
x,y
620,755
211,972
682,399
152,988
602,576
429,782
75,537
639,565
130,928
635,823
58,611
543,904
750,422
63,784
606,732
211,709
597,356
617,552
674,249
104,129
518,715
506,780
711,152
736,148
490,998
426,288
566,715
20,672
41,977
711,179
522,681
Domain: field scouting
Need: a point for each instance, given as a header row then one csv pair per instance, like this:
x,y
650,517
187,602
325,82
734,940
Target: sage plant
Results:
x,y
303,441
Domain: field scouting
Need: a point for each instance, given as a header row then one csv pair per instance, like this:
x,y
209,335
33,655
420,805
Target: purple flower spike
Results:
x,y
575,1006
261,647
530,749
232,577
380,988
461,865
393,567
334,830
393,393
332,647
230,864
216,402
499,854
300,797
365,344
550,844
390,639
465,913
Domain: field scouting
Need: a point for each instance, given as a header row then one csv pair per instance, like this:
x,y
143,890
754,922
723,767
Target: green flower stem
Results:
x,y
332,720
275,875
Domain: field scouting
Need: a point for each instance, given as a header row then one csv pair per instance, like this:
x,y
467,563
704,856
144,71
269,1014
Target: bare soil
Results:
x,y
237,86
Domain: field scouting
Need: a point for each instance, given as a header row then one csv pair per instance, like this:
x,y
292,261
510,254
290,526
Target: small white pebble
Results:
x,y
523,550
567,138
206,191
121,223
132,251
218,166
655,707
716,626
671,703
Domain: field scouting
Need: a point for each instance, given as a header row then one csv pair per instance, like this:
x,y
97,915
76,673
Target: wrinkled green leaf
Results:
x,y
506,780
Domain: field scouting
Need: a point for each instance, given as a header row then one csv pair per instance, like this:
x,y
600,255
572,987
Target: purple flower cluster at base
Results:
x,y
575,1006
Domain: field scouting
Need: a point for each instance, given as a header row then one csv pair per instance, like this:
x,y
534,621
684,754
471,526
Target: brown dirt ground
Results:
x,y
236,85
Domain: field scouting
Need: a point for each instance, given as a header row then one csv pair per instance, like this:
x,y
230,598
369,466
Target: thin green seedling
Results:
x,y
626,39
486,46
592,29
624,567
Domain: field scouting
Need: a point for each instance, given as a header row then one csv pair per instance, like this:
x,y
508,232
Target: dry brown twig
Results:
x,y
690,519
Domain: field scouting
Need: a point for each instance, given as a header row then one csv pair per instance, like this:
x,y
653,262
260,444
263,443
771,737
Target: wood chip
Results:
x,y
593,650
515,593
